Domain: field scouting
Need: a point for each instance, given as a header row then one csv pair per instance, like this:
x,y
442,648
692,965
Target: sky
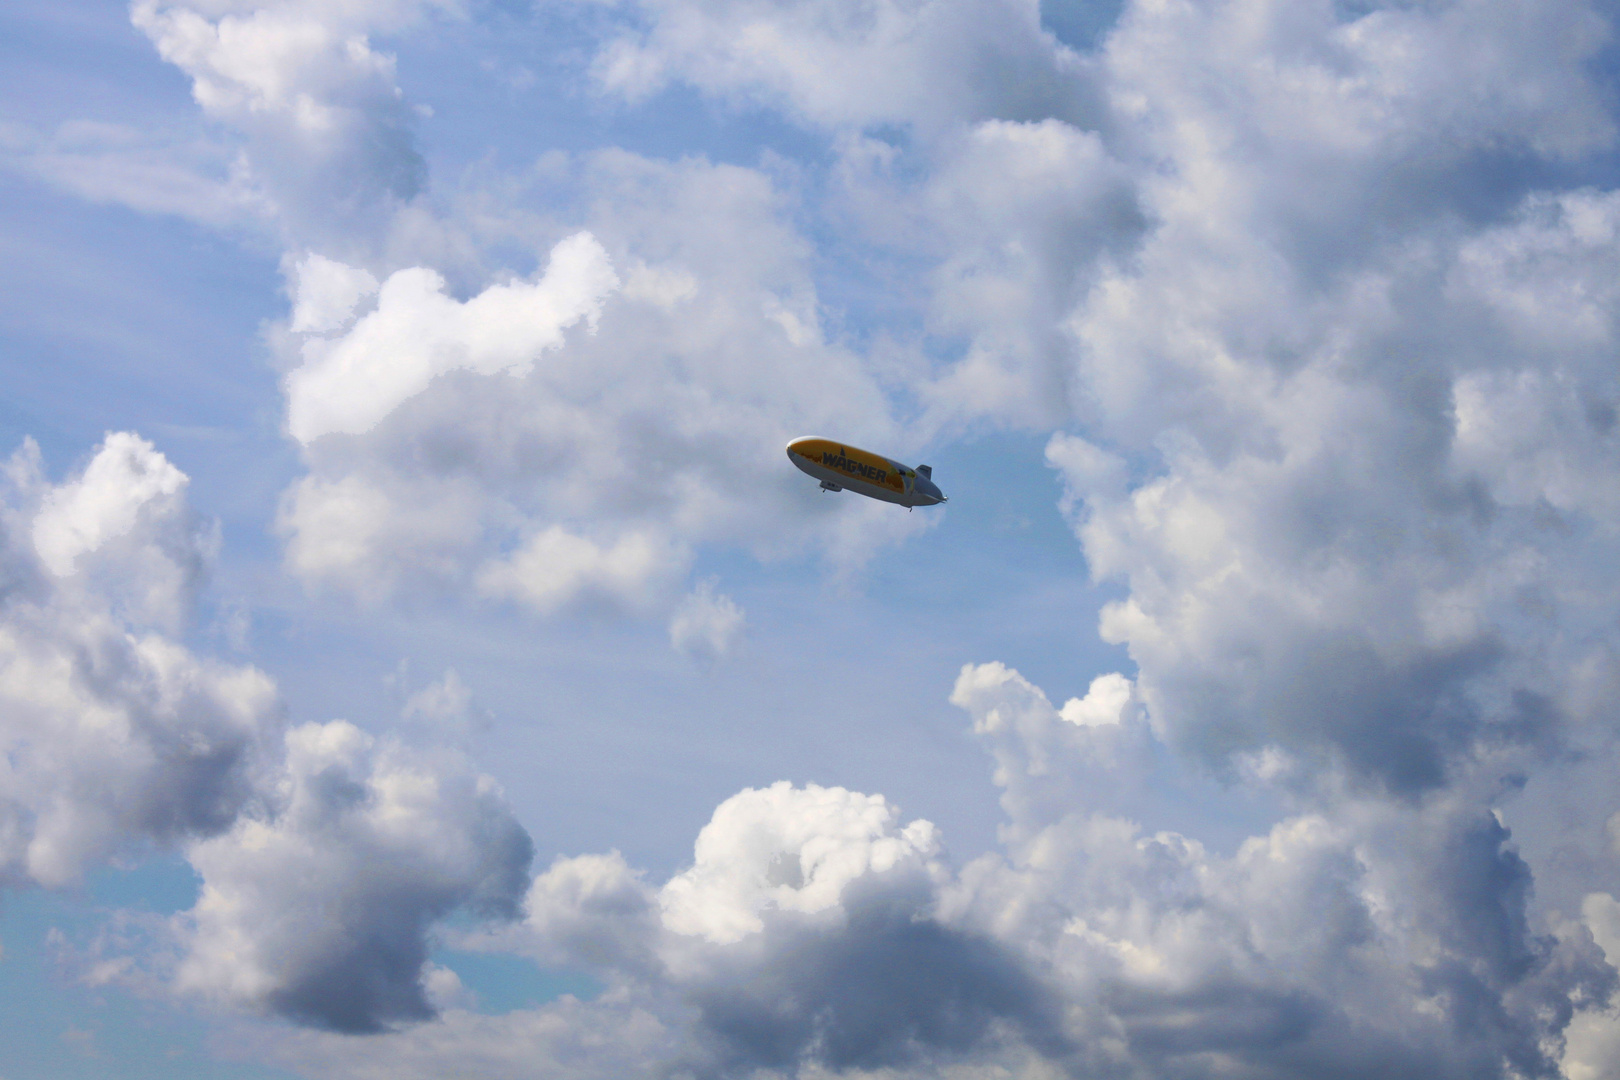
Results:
x,y
418,657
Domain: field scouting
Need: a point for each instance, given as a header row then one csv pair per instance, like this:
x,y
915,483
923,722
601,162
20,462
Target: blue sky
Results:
x,y
417,656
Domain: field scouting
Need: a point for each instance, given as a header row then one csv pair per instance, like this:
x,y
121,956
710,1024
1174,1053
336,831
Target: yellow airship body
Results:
x,y
841,467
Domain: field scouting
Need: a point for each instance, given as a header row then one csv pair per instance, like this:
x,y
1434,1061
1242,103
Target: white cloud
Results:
x,y
706,623
1535,423
591,473
417,333
1318,412
326,132
127,479
1104,702
592,909
1024,216
152,172
1043,757
1354,931
555,568
815,934
1344,388
117,740
1592,1041
802,939
804,936
326,294
788,849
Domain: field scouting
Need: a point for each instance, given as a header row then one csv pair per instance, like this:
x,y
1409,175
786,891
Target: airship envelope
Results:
x,y
841,467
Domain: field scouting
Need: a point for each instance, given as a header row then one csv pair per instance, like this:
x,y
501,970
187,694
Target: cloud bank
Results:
x,y
816,932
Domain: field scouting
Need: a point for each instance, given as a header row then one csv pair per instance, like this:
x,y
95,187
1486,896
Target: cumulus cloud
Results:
x,y
810,844
1593,1039
326,292
319,910
114,735
817,933
803,935
1104,703
588,474
325,854
326,132
122,529
417,333
1356,933
1320,554
125,477
1298,460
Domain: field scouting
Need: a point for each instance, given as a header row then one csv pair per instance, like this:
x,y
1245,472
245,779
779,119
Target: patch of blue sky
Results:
x,y
112,320
1000,577
64,62
595,718
502,983
510,88
504,88
54,1027
116,320
1082,25
162,885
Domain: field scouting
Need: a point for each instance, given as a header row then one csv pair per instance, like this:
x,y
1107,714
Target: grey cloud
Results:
x,y
325,857
815,936
803,937
327,135
319,909
929,65
594,910
1303,374
1360,933
891,987
117,737
1399,724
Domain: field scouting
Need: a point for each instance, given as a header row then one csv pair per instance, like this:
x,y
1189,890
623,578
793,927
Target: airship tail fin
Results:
x,y
927,471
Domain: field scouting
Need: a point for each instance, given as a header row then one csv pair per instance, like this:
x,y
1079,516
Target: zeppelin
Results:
x,y
844,468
